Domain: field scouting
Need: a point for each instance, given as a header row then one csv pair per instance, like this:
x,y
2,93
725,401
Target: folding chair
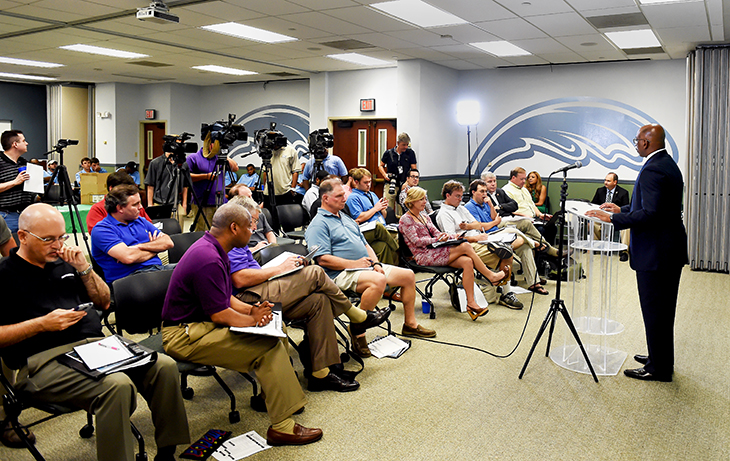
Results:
x,y
438,273
182,243
291,217
14,402
139,300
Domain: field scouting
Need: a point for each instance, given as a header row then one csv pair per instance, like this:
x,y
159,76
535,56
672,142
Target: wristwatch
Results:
x,y
86,271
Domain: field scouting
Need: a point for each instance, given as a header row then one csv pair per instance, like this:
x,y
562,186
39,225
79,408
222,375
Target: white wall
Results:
x,y
129,111
346,89
106,131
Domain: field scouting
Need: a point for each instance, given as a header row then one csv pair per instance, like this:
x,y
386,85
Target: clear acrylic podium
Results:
x,y
591,292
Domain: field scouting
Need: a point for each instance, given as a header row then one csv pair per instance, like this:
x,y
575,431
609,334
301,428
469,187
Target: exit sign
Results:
x,y
149,114
367,105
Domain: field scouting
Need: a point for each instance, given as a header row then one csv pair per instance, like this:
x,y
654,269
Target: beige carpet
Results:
x,y
442,402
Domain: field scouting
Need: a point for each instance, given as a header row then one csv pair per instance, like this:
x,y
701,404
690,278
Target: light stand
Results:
x,y
557,305
467,114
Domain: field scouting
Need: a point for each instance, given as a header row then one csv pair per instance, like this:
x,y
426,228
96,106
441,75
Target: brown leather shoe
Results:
x,y
359,344
11,439
418,331
301,436
393,296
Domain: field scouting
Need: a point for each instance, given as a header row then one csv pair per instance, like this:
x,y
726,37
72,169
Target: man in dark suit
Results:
x,y
611,192
658,249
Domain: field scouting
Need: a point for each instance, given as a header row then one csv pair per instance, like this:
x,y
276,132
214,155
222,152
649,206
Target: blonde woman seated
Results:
x,y
419,232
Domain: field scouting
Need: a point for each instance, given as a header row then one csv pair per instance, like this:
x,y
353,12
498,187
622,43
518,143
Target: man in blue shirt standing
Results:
x,y
124,243
365,207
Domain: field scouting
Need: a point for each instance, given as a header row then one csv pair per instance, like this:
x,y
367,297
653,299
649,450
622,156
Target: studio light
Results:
x,y
468,114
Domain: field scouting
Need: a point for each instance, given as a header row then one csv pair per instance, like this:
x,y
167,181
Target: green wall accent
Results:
x,y
577,188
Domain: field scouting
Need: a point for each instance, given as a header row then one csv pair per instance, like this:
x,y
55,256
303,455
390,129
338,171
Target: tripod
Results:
x,y
176,177
557,305
66,196
267,170
219,173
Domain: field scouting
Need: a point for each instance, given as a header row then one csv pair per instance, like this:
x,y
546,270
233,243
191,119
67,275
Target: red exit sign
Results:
x,y
149,114
367,105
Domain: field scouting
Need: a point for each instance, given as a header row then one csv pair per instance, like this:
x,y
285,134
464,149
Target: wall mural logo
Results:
x,y
292,121
597,132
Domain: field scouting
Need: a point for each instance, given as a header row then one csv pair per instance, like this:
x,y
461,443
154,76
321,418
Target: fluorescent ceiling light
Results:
x,y
501,48
26,62
249,33
26,77
629,39
224,70
356,58
652,2
103,51
417,12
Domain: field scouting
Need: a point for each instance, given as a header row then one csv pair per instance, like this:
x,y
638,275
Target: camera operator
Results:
x,y
285,171
160,186
395,165
202,165
332,164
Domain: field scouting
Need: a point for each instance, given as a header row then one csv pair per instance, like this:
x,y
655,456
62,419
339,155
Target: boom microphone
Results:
x,y
567,167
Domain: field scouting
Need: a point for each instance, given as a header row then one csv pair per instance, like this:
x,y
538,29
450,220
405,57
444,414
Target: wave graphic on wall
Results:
x,y
591,130
292,121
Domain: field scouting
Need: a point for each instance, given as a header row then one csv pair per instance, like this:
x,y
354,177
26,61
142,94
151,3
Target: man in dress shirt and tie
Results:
x,y
611,192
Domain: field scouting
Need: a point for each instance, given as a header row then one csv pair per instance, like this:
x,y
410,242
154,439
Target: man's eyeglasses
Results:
x,y
636,141
50,240
414,176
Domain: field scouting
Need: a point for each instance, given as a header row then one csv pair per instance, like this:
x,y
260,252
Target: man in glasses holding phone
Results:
x,y
37,328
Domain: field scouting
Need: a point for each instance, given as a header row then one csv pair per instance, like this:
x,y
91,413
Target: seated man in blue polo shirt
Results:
x,y
124,243
365,207
352,264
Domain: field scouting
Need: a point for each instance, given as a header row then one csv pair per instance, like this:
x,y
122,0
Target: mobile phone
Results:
x,y
84,307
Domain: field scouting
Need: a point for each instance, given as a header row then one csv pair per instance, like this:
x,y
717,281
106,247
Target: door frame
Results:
x,y
142,141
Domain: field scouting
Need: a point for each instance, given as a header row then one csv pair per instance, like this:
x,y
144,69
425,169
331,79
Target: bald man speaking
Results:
x,y
658,249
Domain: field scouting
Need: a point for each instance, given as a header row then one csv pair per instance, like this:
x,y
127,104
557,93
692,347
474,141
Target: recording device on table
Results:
x,y
217,138
319,141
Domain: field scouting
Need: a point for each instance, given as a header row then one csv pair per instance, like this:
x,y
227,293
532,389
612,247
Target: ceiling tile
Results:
x,y
590,5
270,7
287,27
511,29
221,10
696,34
563,58
575,42
423,37
460,51
535,7
718,33
603,55
561,24
541,45
676,15
485,10
459,64
43,13
428,54
327,23
383,41
324,4
466,33
368,18
87,9
525,60
487,61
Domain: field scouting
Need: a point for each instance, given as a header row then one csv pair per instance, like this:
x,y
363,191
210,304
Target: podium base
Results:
x,y
597,326
606,361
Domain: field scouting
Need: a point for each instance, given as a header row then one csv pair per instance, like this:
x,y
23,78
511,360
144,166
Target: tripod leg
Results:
x,y
550,316
550,334
571,326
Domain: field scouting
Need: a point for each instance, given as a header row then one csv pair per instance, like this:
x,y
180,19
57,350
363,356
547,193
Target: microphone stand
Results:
x,y
557,306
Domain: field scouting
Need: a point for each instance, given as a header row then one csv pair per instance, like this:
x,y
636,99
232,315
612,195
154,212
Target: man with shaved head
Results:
x,y
199,309
42,282
658,249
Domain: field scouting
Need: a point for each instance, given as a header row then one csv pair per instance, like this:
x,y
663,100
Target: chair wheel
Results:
x,y
344,357
86,432
188,393
234,417
258,404
140,457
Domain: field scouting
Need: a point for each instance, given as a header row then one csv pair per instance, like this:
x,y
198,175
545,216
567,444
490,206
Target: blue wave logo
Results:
x,y
292,121
595,131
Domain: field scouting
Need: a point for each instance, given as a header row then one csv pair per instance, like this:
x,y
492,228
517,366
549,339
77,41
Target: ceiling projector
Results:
x,y
157,12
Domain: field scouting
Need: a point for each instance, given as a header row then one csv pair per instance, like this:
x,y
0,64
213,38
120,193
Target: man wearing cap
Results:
x,y
50,169
132,169
13,199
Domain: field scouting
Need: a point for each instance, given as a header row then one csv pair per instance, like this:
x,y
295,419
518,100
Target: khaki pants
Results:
x,y
208,211
209,344
490,260
384,244
393,199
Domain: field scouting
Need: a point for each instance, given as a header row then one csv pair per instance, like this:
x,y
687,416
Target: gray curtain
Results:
x,y
708,145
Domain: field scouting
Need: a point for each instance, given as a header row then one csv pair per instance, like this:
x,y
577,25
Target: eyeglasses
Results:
x,y
414,176
636,141
49,240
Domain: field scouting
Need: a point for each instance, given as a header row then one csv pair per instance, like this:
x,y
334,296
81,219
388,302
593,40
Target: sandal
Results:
x,y
474,313
537,288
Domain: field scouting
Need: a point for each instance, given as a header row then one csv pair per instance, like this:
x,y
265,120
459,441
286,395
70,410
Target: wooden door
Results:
x,y
153,133
361,143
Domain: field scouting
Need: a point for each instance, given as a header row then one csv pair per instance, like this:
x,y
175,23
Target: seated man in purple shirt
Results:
x,y
199,309
308,294
124,242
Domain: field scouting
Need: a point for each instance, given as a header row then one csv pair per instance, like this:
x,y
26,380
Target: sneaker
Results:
x,y
511,301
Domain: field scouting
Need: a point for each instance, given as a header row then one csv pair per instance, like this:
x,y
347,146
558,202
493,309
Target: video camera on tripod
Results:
x,y
63,143
268,141
178,146
319,141
222,135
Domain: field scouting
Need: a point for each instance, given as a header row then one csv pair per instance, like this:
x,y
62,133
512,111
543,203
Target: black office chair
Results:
x,y
291,217
269,219
182,243
268,253
53,197
438,273
168,226
139,300
390,217
14,402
